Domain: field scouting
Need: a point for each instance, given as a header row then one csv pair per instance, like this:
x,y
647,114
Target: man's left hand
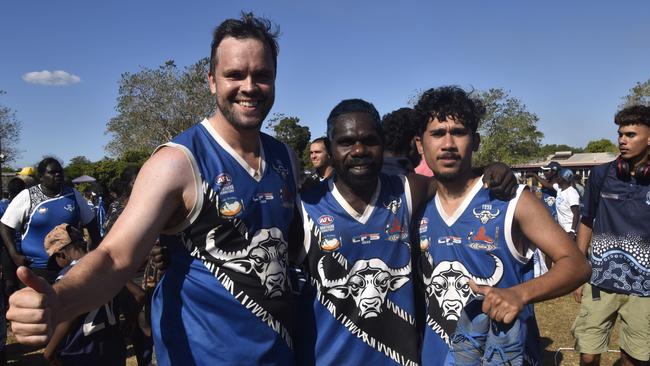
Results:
x,y
498,177
500,304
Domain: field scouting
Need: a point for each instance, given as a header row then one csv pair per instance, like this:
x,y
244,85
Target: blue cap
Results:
x,y
566,174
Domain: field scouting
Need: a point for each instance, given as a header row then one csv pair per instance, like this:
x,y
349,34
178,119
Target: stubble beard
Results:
x,y
234,120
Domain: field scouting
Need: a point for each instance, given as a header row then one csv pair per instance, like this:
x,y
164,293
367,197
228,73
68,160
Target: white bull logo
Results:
x,y
265,256
394,205
367,282
485,215
449,284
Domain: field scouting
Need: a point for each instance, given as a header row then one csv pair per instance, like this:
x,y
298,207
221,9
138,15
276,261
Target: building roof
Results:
x,y
570,160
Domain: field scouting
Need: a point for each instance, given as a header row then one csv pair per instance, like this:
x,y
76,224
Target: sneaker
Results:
x,y
504,345
468,341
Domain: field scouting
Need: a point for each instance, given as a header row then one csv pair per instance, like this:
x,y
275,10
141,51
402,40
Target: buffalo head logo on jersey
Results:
x,y
485,214
394,205
367,283
448,283
265,257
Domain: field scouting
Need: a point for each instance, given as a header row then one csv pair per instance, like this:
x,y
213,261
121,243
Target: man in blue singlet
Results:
x,y
37,210
360,305
475,245
229,191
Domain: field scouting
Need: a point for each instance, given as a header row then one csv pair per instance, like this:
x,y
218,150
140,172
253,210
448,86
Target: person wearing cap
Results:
x,y
549,192
93,338
567,203
615,233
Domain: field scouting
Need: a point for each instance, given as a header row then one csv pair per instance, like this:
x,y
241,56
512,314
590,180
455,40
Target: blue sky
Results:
x,y
570,62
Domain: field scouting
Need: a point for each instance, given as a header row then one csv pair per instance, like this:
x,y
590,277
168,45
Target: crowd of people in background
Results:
x,y
394,249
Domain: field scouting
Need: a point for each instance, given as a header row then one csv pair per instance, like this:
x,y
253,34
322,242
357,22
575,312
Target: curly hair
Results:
x,y
400,127
451,101
633,115
352,106
249,26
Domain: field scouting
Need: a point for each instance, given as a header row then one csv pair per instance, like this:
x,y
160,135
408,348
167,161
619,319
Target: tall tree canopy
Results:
x,y
639,94
10,128
289,131
154,105
508,131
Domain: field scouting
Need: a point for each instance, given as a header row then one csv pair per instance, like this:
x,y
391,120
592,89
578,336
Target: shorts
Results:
x,y
593,326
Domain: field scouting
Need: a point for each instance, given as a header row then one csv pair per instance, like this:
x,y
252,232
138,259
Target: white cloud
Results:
x,y
46,77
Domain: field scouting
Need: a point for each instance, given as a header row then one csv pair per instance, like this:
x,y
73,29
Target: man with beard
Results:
x,y
36,211
475,245
228,190
359,305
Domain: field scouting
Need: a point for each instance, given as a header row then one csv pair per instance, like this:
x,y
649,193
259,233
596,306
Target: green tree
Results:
x,y
154,105
10,128
78,166
639,94
289,131
508,131
602,145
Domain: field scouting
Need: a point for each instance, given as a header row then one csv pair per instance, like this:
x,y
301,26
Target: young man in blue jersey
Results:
x,y
474,245
93,338
615,232
360,304
228,190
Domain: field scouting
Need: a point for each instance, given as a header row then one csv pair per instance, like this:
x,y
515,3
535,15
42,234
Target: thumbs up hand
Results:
x,y
30,309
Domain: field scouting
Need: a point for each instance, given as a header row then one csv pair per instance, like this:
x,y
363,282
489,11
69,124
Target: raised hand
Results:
x,y
30,311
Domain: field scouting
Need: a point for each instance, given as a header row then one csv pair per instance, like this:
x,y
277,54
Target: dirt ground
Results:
x,y
555,318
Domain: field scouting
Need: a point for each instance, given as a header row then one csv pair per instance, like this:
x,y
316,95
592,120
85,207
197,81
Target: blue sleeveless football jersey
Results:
x,y
45,214
548,198
358,306
474,243
94,338
225,299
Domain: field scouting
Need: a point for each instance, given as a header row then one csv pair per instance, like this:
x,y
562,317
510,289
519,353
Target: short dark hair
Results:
x,y
353,106
633,115
400,127
15,185
249,26
325,141
451,101
42,165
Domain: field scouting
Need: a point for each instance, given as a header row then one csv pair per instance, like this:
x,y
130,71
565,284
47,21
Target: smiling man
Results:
x,y
228,190
474,245
615,226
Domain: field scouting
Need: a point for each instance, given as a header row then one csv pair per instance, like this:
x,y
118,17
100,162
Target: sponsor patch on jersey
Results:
x,y
365,238
263,197
486,213
424,225
227,189
330,243
482,246
482,236
230,207
450,240
280,169
223,179
69,207
42,210
393,205
424,244
326,223
395,231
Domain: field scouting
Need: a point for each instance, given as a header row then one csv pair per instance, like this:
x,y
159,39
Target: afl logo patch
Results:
x,y
223,179
230,207
325,220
